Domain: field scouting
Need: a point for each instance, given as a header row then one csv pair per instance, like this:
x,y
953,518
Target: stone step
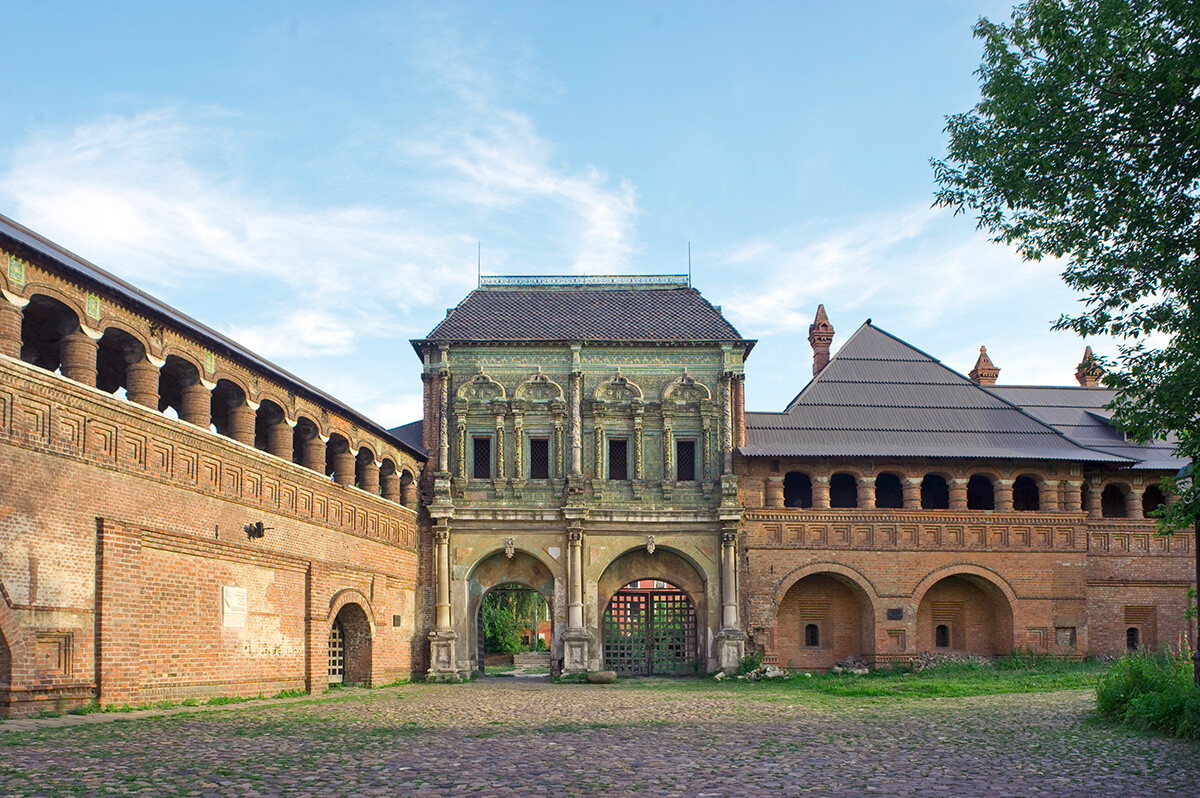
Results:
x,y
533,659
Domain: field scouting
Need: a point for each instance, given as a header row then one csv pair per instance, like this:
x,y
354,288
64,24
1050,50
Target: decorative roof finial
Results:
x,y
820,337
985,371
1088,372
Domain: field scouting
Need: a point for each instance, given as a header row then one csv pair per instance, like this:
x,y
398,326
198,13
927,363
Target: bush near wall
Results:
x,y
1153,692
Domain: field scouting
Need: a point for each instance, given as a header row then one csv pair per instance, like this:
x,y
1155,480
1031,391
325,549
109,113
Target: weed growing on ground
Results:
x,y
1151,691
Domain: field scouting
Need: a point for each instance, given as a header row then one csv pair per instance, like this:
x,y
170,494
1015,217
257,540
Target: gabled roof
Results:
x,y
583,309
881,397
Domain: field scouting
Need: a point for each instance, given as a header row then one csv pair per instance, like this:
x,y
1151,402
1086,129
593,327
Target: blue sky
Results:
x,y
314,180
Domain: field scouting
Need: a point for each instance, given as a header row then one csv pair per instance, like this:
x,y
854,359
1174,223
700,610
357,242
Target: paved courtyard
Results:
x,y
510,737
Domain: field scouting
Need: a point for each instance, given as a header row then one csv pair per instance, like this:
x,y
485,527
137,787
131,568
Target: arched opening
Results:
x,y
176,379
1133,638
935,493
1026,494
272,433
116,352
1152,500
797,490
407,491
339,460
44,324
981,495
975,613
511,579
823,619
1112,502
350,647
308,449
650,604
843,490
5,674
889,492
366,473
231,416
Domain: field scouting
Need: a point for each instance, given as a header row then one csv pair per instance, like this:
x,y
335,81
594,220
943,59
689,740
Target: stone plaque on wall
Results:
x,y
233,601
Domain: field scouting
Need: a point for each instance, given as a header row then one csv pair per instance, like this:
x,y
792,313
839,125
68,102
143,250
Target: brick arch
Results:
x,y
961,569
233,378
270,395
358,624
118,323
16,650
522,551
694,583
346,596
846,572
51,291
186,355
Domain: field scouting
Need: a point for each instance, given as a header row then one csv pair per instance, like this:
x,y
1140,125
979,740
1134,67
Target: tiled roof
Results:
x,y
585,313
881,397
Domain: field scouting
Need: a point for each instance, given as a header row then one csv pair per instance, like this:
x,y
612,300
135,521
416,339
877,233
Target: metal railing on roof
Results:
x,y
515,281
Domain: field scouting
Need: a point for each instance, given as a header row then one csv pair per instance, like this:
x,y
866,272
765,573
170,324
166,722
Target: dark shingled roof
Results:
x,y
139,300
881,397
585,313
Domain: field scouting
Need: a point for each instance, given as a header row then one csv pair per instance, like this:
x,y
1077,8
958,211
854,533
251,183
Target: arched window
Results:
x,y
797,490
44,323
889,493
980,494
935,493
941,636
1152,499
1133,638
843,490
1112,502
812,636
1026,496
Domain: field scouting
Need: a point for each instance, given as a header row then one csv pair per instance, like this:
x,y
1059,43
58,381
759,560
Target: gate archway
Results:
x,y
350,646
650,630
521,571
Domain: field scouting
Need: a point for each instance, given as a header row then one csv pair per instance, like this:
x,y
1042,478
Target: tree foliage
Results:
x,y
1086,147
506,611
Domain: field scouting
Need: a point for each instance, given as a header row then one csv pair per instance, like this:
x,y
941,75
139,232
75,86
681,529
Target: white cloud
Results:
x,y
303,333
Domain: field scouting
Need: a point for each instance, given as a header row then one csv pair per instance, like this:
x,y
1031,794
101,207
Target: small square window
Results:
x,y
482,459
685,461
539,458
618,459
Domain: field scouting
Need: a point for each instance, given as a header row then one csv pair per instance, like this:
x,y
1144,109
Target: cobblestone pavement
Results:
x,y
508,737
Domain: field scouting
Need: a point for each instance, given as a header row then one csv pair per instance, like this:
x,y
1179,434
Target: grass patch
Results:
x,y
1153,692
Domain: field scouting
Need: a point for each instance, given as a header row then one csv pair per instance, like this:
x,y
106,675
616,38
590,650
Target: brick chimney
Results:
x,y
1088,372
985,371
820,336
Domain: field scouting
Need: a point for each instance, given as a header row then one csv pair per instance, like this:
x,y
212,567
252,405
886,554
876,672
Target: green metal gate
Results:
x,y
650,633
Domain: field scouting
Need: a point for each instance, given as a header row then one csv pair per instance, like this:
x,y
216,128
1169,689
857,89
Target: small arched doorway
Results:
x,y
350,647
520,572
650,630
513,619
824,618
965,614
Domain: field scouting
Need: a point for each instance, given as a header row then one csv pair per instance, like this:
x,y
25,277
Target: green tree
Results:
x,y
1085,147
506,611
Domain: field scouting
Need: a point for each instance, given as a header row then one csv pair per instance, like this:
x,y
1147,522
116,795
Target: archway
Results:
x,y
649,621
5,674
965,614
513,619
500,572
822,619
350,646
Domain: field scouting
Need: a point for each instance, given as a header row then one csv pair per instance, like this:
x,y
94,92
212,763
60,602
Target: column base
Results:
x,y
731,647
577,644
441,656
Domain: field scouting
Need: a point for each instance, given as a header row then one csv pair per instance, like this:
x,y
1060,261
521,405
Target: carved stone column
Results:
x,y
1133,503
958,494
461,471
577,640
820,492
1091,503
79,356
499,454
518,447
195,405
1048,496
773,497
726,423
443,419
1004,495
576,425
912,492
141,383
441,640
668,450
731,640
10,327
1072,495
866,493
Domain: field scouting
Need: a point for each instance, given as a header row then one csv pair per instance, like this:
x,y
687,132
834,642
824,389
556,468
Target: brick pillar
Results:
x,y
1133,503
79,357
280,439
774,492
912,493
958,494
312,454
10,328
343,467
391,487
141,383
1004,495
369,479
820,493
1072,497
241,422
866,493
1048,496
118,613
195,406
1092,504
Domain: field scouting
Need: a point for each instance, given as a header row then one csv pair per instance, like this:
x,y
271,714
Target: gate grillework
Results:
x,y
650,633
